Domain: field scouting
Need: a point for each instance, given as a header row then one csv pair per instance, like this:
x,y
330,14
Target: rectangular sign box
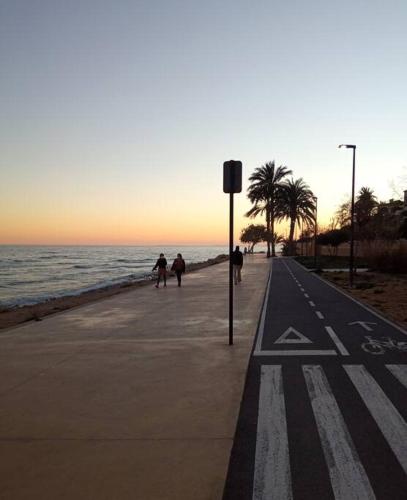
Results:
x,y
232,176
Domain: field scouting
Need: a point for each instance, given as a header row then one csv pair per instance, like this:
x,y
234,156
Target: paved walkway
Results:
x,y
132,397
324,412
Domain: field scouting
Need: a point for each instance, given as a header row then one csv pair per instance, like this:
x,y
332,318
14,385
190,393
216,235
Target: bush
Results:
x,y
391,260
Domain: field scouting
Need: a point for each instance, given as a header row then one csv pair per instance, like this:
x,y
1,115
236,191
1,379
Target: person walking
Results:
x,y
179,267
161,264
237,261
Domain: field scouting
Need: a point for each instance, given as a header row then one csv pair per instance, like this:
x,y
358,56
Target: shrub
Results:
x,y
388,260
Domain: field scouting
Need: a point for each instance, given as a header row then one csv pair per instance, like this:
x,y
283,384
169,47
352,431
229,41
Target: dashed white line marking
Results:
x,y
372,311
341,348
319,314
306,295
387,417
272,475
312,304
348,477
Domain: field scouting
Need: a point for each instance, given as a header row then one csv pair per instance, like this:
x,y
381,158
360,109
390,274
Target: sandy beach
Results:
x,y
10,317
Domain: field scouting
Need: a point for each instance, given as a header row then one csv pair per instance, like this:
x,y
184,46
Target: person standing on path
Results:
x,y
237,261
179,267
161,264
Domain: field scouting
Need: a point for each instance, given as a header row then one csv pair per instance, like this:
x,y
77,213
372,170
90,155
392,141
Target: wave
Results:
x,y
22,282
30,275
7,262
32,300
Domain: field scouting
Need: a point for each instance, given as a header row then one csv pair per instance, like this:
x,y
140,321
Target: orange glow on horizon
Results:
x,y
88,232
124,223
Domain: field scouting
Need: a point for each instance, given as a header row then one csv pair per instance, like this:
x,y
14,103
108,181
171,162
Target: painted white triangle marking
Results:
x,y
300,338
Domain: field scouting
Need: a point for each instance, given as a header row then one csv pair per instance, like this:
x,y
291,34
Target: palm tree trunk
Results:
x,y
291,236
273,243
268,232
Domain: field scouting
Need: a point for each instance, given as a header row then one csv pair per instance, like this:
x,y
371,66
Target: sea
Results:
x,y
34,274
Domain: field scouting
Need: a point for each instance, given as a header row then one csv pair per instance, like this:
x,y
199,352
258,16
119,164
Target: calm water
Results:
x,y
32,274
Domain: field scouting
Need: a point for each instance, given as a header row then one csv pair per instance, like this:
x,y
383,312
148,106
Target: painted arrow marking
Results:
x,y
300,338
364,324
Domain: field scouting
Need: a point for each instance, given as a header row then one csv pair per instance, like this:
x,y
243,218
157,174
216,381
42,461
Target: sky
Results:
x,y
116,116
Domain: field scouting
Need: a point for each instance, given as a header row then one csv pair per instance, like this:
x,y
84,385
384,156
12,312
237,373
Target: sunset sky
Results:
x,y
116,116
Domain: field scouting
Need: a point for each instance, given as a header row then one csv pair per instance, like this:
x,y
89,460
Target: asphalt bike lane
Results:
x,y
324,407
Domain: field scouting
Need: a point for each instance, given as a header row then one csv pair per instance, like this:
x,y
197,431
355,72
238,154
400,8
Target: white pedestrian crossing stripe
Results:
x,y
400,372
272,478
389,420
299,337
348,477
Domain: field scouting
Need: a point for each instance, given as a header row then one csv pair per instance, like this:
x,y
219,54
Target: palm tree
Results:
x,y
266,182
277,239
365,207
297,204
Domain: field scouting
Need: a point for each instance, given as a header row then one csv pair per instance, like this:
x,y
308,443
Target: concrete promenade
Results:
x,y
132,397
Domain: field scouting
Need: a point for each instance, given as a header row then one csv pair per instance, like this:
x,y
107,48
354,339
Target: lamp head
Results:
x,y
351,146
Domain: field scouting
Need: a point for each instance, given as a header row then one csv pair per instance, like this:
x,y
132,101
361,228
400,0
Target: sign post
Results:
x,y
232,183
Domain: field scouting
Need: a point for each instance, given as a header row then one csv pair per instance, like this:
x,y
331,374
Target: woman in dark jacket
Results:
x,y
179,267
162,270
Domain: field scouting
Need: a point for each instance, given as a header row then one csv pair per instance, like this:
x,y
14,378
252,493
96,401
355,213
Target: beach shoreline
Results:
x,y
13,316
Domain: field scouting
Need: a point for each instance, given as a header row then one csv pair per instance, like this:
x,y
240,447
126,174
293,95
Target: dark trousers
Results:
x,y
179,274
163,275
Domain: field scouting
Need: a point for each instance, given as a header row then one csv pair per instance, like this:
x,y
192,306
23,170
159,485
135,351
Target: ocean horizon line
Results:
x,y
155,245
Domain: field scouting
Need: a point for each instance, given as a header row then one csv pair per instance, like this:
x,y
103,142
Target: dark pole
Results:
x,y
352,223
231,266
232,183
315,232
352,215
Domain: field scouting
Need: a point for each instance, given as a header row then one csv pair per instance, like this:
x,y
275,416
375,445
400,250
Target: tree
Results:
x,y
276,239
365,206
333,238
263,192
253,234
385,222
342,214
381,220
297,203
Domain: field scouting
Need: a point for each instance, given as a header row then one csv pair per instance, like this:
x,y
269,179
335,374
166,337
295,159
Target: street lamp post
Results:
x,y
315,231
352,214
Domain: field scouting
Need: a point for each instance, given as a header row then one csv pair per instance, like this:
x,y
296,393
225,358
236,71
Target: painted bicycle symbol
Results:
x,y
377,346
